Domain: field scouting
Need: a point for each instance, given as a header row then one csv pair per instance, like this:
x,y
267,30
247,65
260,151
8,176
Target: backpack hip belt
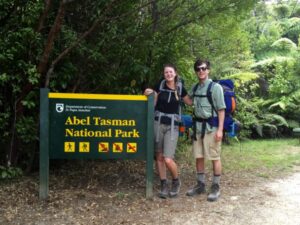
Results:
x,y
173,117
212,121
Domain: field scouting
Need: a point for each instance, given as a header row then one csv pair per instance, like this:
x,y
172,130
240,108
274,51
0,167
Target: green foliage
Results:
x,y
293,29
266,65
293,124
272,36
247,115
242,77
258,157
4,121
130,43
274,119
296,10
282,10
26,128
267,156
127,47
284,45
10,172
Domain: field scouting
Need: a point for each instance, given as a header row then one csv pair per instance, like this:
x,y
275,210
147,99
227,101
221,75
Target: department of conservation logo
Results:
x,y
59,107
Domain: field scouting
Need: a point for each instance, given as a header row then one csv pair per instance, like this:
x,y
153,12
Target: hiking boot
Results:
x,y
164,191
197,189
214,193
175,188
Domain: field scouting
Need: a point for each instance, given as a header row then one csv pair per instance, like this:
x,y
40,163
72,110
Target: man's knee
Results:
x,y
199,160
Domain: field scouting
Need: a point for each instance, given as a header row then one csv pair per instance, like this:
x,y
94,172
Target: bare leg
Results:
x,y
172,167
200,165
217,167
161,166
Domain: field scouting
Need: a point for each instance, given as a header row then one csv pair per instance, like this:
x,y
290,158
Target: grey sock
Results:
x,y
216,179
201,177
163,181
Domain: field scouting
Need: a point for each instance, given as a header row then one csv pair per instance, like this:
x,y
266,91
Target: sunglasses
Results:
x,y
201,68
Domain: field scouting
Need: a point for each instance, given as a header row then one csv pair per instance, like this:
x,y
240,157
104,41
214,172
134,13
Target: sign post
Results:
x,y
91,126
150,147
44,143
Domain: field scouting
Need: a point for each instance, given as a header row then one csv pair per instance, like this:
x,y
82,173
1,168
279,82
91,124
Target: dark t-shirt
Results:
x,y
163,105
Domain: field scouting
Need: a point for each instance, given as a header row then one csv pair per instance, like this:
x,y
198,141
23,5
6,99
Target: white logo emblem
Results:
x,y
59,107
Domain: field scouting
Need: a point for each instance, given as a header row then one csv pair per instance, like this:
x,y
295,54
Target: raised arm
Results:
x,y
149,91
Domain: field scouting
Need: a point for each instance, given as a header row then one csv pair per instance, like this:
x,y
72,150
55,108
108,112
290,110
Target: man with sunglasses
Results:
x,y
207,134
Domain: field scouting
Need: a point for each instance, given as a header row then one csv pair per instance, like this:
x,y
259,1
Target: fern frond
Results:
x,y
276,119
270,61
243,76
293,123
284,44
280,104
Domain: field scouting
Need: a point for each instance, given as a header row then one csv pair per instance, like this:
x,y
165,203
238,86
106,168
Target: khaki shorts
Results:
x,y
165,144
207,147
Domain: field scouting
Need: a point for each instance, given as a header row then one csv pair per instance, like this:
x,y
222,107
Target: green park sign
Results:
x,y
95,126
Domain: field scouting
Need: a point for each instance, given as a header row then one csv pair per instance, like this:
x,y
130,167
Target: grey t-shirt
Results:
x,y
202,107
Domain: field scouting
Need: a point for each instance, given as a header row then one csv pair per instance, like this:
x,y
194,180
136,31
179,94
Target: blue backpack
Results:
x,y
230,101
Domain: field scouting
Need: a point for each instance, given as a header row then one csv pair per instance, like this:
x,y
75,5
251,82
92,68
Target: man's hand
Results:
x,y
219,135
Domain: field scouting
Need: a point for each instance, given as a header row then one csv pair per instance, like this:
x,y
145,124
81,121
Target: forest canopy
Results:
x,y
119,46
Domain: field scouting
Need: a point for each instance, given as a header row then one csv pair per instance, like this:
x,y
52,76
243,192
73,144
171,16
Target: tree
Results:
x,y
101,47
274,42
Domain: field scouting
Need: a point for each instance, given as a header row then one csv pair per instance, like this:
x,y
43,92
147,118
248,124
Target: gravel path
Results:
x,y
244,200
273,203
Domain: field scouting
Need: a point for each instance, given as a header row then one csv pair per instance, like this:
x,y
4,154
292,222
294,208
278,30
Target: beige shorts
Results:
x,y
207,147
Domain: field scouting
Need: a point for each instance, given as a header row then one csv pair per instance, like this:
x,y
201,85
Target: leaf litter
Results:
x,y
113,192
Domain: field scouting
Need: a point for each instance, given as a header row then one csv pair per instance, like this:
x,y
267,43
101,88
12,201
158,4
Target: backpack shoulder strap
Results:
x,y
162,84
209,95
179,91
179,87
195,89
209,92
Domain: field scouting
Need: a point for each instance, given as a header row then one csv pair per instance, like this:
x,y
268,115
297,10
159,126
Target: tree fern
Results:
x,y
279,104
243,77
284,45
272,60
275,119
293,29
293,123
282,10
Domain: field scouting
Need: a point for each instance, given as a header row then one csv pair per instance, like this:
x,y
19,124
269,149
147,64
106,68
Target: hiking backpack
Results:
x,y
230,101
174,117
179,85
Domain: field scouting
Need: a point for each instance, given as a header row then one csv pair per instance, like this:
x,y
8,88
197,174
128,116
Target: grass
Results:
x,y
261,157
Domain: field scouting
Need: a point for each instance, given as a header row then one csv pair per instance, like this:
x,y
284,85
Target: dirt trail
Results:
x,y
95,199
274,203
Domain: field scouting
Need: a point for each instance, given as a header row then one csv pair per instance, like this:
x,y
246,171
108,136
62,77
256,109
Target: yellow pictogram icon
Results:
x,y
84,147
117,147
69,147
103,147
131,147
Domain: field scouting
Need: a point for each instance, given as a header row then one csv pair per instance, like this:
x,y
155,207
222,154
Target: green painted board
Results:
x,y
82,127
95,126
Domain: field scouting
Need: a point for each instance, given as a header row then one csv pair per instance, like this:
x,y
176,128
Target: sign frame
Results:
x,y
45,132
